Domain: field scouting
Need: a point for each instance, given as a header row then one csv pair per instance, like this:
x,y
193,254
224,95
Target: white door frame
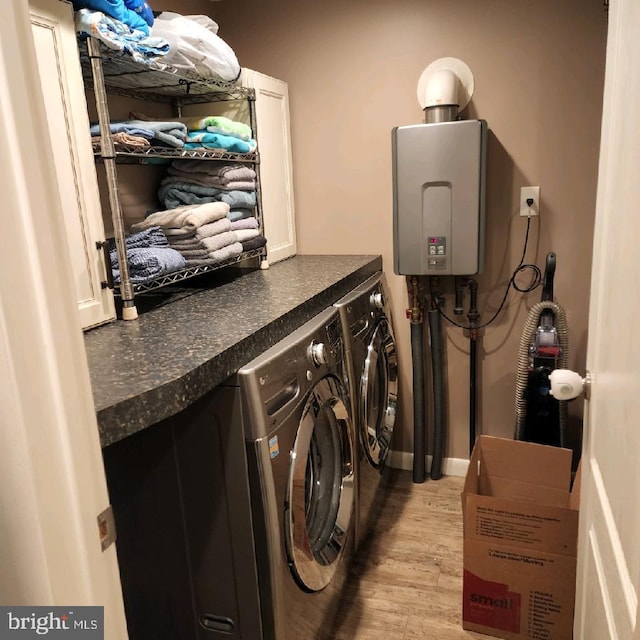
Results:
x,y
52,483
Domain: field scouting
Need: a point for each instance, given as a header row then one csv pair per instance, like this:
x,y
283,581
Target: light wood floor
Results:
x,y
406,583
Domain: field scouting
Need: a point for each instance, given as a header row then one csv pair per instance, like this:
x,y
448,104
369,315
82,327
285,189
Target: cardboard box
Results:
x,y
520,541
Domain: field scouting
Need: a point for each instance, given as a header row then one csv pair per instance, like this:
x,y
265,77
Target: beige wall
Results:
x,y
352,69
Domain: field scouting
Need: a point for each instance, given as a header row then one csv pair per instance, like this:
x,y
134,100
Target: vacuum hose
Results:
x,y
437,372
528,336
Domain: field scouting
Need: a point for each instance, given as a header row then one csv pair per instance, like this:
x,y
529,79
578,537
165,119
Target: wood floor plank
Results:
x,y
406,583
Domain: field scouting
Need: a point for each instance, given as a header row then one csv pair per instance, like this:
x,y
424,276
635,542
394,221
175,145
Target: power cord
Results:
x,y
536,281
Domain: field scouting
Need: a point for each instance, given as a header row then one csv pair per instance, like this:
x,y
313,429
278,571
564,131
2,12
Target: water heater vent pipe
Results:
x,y
445,88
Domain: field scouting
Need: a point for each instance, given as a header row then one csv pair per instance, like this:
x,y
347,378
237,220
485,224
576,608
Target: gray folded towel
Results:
x,y
244,223
223,172
246,234
215,257
205,231
183,221
206,180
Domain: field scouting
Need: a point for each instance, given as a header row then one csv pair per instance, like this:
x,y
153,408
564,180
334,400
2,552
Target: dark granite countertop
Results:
x,y
185,344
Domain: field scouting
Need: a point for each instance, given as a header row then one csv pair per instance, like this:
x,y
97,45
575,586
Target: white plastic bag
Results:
x,y
195,46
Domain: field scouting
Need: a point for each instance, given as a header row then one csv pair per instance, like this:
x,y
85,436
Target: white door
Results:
x,y
276,169
609,543
68,127
52,484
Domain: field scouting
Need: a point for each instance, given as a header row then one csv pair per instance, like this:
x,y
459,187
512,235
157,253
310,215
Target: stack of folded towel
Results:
x,y
148,256
203,234
198,182
219,132
145,132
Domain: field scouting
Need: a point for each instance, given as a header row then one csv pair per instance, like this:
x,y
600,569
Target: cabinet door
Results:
x,y
68,127
276,170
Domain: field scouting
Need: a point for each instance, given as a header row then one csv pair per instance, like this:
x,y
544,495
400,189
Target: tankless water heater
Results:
x,y
438,198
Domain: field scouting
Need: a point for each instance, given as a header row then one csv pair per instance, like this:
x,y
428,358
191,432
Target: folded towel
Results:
x,y
127,127
244,223
183,221
203,180
239,214
224,171
115,9
148,263
121,138
220,124
215,257
179,194
255,243
205,231
151,237
238,199
214,243
142,8
170,133
246,234
198,139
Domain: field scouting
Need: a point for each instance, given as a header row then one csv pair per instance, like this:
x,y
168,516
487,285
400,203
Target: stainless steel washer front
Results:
x,y
365,316
320,491
378,394
300,452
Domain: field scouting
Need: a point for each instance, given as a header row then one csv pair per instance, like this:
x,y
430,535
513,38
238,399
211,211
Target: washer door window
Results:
x,y
320,490
378,394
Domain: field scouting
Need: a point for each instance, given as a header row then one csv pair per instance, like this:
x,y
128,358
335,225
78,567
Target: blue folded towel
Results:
x,y
178,194
171,133
126,127
239,214
238,199
151,237
116,9
148,263
200,138
142,8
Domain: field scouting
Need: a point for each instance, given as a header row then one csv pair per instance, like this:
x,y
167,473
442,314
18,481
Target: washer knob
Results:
x,y
317,353
377,301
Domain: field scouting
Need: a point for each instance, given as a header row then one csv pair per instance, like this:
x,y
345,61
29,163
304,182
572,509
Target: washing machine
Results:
x,y
371,357
300,444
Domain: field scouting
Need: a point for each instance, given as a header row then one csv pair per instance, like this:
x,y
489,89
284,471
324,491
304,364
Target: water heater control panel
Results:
x,y
438,198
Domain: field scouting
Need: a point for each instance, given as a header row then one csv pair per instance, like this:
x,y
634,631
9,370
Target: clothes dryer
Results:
x,y
300,453
365,316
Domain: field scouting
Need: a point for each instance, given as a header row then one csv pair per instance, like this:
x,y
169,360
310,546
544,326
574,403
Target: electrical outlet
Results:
x,y
529,194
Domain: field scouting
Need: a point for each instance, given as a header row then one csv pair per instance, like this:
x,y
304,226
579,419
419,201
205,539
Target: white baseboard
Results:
x,y
450,466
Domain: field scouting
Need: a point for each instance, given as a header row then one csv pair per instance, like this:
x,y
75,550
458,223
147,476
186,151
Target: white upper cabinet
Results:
x,y
276,170
68,127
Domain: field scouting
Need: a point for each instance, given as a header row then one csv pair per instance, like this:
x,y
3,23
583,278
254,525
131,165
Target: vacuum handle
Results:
x,y
549,272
